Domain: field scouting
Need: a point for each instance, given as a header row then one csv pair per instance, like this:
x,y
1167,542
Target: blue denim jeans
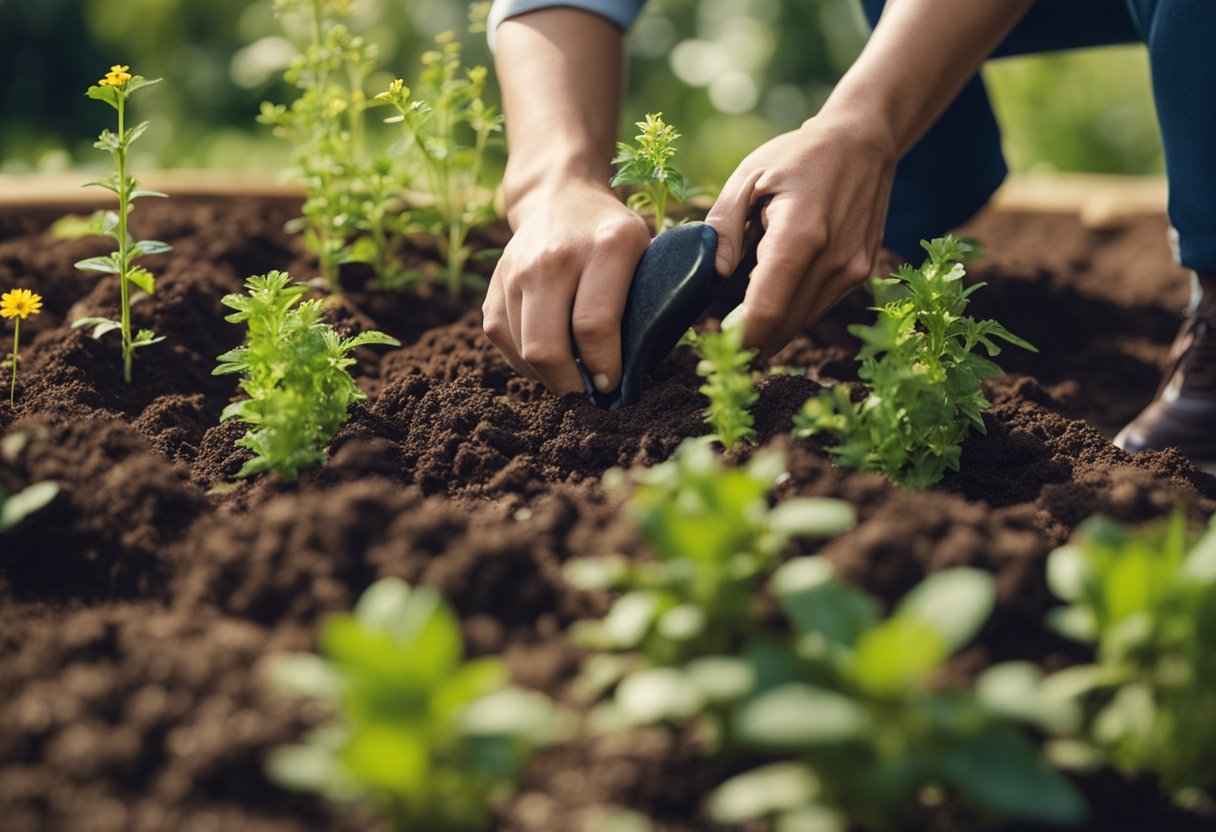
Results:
x,y
965,143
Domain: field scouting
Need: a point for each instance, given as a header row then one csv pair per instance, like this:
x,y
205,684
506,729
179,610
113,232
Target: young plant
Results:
x,y
852,700
115,89
648,166
1146,601
715,539
16,507
429,738
346,207
726,368
18,304
921,375
448,129
294,368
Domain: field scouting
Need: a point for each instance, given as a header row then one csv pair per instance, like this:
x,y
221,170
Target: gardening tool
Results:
x,y
674,284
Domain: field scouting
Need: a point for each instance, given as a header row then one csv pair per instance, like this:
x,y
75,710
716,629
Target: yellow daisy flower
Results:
x,y
20,303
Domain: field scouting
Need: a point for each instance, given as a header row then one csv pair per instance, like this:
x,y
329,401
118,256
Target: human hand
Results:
x,y
823,192
566,271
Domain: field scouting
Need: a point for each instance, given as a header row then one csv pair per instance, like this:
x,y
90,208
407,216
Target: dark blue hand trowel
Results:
x,y
674,284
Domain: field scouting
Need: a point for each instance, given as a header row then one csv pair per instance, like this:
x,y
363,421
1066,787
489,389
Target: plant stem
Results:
x,y
124,254
12,390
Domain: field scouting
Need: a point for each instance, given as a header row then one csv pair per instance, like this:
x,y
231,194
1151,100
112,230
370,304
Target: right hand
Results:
x,y
567,269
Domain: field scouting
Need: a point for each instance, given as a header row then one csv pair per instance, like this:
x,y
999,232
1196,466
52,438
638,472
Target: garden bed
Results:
x,y
135,610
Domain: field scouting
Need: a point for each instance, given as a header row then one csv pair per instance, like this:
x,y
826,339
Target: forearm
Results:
x,y
560,73
921,54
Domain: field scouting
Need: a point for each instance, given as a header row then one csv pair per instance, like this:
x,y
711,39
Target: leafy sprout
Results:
x,y
428,737
294,370
921,373
726,368
115,89
16,507
648,166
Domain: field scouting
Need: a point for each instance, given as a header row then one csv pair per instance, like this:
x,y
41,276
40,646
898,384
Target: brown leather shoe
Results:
x,y
1182,415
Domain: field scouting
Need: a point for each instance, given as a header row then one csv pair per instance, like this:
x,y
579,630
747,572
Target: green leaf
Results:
x,y
658,695
897,653
389,757
763,792
817,603
305,674
999,771
145,338
147,247
954,602
722,679
798,716
812,517
630,619
371,337
101,326
139,82
1018,691
21,505
142,278
105,93
303,768
105,264
1068,572
597,573
511,712
140,193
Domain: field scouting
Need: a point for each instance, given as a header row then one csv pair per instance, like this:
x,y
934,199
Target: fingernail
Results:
x,y
601,383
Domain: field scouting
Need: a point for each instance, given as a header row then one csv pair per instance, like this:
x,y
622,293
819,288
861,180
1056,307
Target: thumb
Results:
x,y
728,217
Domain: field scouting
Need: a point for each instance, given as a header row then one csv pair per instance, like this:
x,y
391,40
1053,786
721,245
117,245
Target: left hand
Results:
x,y
824,189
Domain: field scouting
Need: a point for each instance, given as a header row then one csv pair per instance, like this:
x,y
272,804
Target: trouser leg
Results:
x,y
1181,38
957,165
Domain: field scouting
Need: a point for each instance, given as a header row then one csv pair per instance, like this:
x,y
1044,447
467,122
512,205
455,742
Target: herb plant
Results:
x,y
922,377
115,89
726,368
715,539
852,701
1146,600
16,507
427,737
648,166
294,368
18,304
326,125
448,130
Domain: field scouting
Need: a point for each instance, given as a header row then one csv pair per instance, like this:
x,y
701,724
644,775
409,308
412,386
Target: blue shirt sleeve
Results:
x,y
620,12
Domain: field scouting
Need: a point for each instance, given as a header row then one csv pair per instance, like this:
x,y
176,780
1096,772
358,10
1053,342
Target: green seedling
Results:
x,y
859,730
16,507
448,130
922,377
647,165
115,89
427,737
294,369
348,197
715,540
726,368
1146,600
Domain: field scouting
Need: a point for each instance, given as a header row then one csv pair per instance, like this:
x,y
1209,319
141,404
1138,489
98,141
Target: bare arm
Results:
x,y
826,185
575,246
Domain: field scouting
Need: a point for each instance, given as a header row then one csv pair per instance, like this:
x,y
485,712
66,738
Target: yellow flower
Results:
x,y
116,77
20,303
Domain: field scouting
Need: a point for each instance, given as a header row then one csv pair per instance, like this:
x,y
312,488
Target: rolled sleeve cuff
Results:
x,y
620,12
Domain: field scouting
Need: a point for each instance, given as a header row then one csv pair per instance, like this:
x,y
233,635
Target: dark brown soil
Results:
x,y
136,609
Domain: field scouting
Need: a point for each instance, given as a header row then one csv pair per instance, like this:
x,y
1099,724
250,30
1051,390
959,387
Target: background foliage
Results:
x,y
728,73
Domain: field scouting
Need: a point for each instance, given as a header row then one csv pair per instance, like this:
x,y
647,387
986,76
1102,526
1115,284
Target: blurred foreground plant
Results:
x,y
648,166
1146,600
852,698
448,129
18,304
16,507
115,89
431,739
922,377
294,368
715,539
